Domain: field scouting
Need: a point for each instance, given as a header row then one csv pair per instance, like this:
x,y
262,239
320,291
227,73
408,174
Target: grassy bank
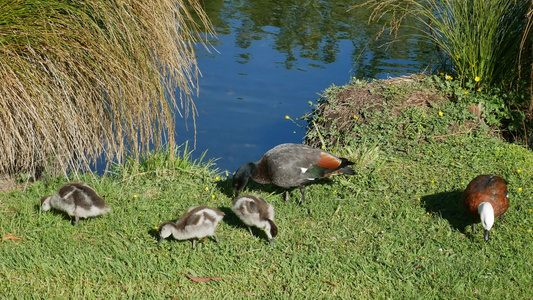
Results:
x,y
395,229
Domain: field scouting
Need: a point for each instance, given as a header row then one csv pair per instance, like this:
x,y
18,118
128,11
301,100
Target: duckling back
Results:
x,y
253,210
76,199
199,222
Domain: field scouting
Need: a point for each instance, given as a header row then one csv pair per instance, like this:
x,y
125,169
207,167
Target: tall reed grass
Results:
x,y
81,78
481,38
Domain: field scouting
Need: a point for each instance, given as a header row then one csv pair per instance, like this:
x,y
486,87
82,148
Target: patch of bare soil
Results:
x,y
7,184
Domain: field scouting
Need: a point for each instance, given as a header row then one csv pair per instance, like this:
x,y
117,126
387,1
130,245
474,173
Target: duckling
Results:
x,y
196,223
76,199
255,211
291,165
484,199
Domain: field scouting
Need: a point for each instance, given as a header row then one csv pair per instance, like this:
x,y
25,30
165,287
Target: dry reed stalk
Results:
x,y
82,78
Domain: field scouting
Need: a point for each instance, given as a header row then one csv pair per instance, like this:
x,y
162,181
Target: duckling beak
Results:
x,y
272,242
160,239
486,234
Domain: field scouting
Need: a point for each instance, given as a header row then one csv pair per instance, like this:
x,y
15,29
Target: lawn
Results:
x,y
396,229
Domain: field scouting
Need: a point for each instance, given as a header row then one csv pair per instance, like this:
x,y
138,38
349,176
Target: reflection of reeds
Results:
x,y
82,77
482,38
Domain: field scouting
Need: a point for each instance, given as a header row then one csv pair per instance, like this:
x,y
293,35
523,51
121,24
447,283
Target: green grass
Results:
x,y
395,229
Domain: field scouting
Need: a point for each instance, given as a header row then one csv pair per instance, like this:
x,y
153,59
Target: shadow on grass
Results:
x,y
449,206
226,187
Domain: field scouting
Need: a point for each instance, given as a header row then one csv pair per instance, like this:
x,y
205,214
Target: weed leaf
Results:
x,y
199,279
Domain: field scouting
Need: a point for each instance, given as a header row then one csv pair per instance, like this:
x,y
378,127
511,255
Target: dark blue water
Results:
x,y
271,62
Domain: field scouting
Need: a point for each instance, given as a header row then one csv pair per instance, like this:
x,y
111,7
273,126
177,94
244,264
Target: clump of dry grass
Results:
x,y
80,78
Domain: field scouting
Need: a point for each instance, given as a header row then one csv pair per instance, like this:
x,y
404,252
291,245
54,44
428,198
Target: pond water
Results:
x,y
271,58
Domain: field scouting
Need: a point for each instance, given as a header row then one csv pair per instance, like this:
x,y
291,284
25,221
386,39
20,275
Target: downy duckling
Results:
x,y
78,200
255,211
196,223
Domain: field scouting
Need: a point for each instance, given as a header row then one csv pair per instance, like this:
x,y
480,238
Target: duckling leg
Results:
x,y
76,220
250,229
194,243
474,228
216,238
501,220
287,196
302,190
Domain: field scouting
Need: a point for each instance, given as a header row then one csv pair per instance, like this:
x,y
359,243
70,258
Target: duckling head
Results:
x,y
165,230
45,203
271,230
486,214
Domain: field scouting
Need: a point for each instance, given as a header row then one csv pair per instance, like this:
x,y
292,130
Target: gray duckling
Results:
x,y
255,211
78,200
198,222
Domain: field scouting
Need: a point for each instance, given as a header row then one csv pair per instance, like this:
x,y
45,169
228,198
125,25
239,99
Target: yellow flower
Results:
x,y
135,196
449,77
355,117
395,185
335,191
427,213
457,56
519,189
206,189
453,164
217,178
432,181
463,183
441,74
212,196
518,171
479,90
477,79
466,92
323,147
530,210
287,117
460,156
418,199
460,88
423,116
440,113
155,228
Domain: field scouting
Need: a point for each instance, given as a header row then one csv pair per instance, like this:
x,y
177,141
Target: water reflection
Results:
x,y
273,58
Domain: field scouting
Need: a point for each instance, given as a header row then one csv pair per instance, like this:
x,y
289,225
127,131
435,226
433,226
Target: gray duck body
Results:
x,y
291,165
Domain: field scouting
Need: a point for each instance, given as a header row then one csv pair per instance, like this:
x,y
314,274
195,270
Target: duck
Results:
x,y
255,211
78,200
291,165
484,199
198,222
